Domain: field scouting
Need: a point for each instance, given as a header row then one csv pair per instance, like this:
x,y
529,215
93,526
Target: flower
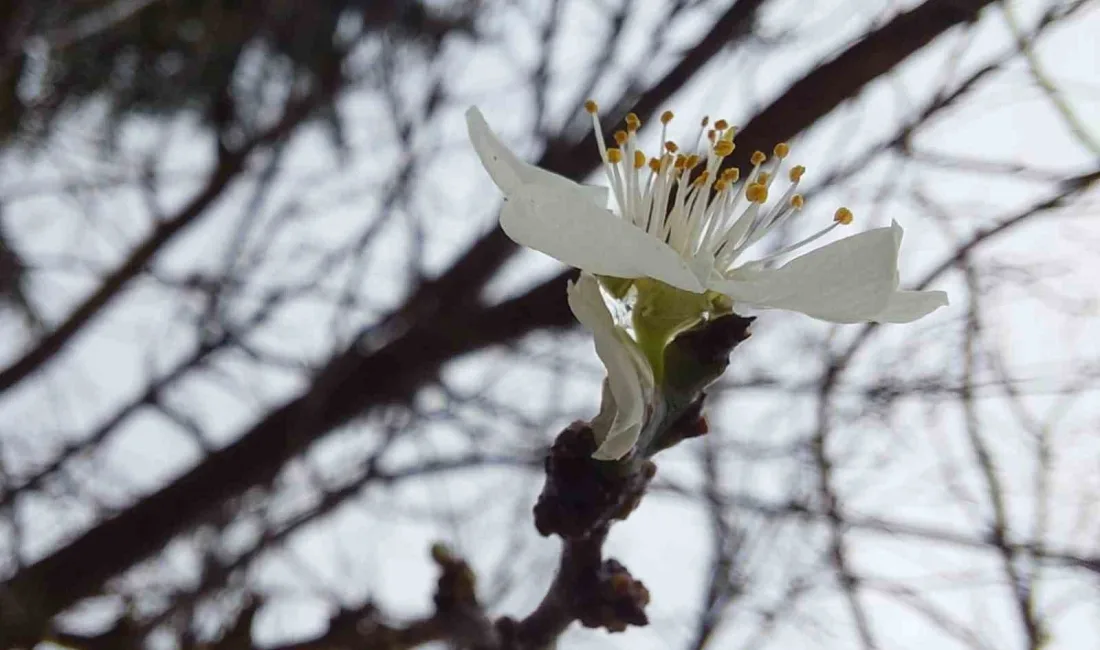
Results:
x,y
629,387
690,229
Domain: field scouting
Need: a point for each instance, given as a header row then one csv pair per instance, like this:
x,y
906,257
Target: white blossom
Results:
x,y
689,227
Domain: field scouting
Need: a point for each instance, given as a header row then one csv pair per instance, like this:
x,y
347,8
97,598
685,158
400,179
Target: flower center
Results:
x,y
691,201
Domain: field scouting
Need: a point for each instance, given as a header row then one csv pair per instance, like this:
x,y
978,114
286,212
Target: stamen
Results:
x,y
632,191
658,207
757,193
674,222
779,213
798,244
613,177
693,220
767,177
623,190
702,132
666,117
722,234
703,213
593,109
614,157
735,240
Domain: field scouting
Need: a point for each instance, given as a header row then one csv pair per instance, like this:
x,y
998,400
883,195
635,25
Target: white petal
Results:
x,y
631,385
848,281
628,383
908,306
509,172
588,306
615,446
566,226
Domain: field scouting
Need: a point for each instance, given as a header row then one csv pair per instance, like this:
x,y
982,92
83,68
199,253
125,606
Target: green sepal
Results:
x,y
660,313
692,361
695,358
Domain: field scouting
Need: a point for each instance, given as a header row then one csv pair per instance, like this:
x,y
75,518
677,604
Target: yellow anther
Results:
x,y
796,173
723,148
671,147
632,122
711,135
591,106
655,165
639,160
763,178
720,185
666,117
701,179
731,175
756,193
781,150
621,137
692,161
614,156
681,161
729,133
758,158
843,216
797,201
721,125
